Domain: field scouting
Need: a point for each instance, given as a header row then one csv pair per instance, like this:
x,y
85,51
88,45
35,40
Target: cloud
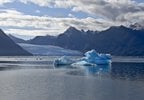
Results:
x,y
39,2
107,9
5,1
71,15
35,32
137,17
105,13
20,23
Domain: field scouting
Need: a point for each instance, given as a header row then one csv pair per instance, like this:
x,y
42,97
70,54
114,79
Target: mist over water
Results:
x,y
36,78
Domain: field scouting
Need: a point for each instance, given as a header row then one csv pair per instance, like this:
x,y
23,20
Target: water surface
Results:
x,y
35,78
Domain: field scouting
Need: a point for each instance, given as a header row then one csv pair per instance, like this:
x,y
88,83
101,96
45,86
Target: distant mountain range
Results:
x,y
119,41
9,48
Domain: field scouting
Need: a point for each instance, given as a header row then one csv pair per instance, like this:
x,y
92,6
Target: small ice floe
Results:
x,y
64,60
92,58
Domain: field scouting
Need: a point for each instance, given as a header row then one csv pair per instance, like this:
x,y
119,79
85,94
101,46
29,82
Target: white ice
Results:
x,y
92,58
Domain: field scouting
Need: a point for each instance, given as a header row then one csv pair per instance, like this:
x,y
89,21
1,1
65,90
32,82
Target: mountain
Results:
x,y
9,48
43,40
73,39
49,50
16,39
119,41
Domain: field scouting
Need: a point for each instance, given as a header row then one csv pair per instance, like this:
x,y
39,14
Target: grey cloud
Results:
x,y
107,9
107,13
46,25
111,10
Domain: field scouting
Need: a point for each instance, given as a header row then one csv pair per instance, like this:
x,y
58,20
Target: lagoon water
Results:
x,y
35,78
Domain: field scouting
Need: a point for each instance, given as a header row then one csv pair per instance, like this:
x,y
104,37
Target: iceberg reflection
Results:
x,y
91,70
97,70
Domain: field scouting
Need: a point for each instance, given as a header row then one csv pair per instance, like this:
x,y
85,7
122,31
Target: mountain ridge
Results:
x,y
117,40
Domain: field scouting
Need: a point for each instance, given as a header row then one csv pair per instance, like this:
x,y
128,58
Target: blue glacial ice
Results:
x,y
95,58
92,58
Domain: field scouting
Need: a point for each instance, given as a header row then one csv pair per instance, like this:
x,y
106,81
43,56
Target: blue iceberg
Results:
x,y
92,58
95,58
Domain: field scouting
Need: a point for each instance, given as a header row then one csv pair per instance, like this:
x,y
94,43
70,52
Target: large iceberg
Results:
x,y
95,58
92,58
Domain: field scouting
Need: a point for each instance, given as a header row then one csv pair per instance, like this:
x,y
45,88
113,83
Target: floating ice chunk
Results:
x,y
64,60
92,58
96,58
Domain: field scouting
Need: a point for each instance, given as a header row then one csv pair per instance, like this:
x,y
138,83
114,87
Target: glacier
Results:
x,y
48,50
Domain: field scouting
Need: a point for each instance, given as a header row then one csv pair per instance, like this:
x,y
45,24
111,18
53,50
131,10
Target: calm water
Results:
x,y
35,78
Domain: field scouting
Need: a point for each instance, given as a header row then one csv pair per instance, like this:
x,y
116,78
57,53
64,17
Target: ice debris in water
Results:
x,y
92,58
64,60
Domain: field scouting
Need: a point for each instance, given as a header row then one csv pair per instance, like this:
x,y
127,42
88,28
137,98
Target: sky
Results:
x,y
29,18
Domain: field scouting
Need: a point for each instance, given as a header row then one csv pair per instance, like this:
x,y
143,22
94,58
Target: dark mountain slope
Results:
x,y
9,47
16,39
121,41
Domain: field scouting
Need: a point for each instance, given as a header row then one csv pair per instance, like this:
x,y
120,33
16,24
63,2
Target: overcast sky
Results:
x,y
42,17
